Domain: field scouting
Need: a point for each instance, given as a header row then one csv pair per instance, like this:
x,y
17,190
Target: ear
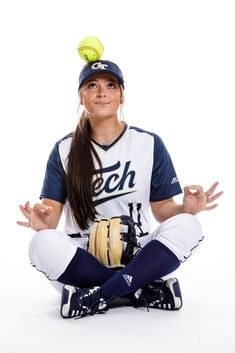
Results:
x,y
122,95
80,96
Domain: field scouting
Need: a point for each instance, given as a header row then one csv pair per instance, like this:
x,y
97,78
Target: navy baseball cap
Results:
x,y
100,66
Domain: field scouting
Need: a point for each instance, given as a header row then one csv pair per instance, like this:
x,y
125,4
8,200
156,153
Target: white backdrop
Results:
x,y
177,58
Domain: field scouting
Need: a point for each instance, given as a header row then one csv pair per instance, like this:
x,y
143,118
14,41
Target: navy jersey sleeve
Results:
x,y
54,185
164,182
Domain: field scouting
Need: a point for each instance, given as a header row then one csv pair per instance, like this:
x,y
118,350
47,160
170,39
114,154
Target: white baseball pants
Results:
x,y
50,251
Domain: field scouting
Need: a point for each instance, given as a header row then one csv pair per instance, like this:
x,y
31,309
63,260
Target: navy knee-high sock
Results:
x,y
154,261
84,270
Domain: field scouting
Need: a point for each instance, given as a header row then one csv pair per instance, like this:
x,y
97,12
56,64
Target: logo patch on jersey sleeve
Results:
x,y
174,180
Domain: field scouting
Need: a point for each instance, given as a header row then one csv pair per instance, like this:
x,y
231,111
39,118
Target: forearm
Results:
x,y
195,200
166,210
54,222
56,211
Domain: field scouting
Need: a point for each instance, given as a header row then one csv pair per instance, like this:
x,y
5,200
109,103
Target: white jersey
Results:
x,y
136,169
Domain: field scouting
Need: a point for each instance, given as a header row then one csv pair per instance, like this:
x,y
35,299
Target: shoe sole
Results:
x,y
174,287
67,293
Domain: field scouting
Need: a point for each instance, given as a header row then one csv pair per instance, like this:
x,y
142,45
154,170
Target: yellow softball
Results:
x,y
90,49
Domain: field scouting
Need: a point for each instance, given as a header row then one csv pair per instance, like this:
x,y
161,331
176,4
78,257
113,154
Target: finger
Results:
x,y
215,197
41,207
25,212
186,191
210,191
27,205
208,208
198,188
49,211
28,208
24,224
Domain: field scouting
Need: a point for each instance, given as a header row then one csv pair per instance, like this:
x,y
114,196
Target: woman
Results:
x,y
106,169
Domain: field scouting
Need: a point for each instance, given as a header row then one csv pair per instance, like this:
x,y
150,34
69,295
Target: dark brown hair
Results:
x,y
80,173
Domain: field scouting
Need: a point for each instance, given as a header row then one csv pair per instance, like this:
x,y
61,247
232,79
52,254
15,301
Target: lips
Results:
x,y
101,103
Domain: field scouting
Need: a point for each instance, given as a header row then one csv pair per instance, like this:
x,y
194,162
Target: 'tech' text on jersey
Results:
x,y
136,169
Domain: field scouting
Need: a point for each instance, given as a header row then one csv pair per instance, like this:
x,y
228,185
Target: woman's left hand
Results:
x,y
196,200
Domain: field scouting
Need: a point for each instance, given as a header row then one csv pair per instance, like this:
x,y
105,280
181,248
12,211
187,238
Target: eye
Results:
x,y
112,85
91,85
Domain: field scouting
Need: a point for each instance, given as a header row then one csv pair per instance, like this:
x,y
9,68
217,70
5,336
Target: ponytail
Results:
x,y
80,173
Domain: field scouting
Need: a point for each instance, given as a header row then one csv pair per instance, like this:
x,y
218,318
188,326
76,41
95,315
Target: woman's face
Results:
x,y
101,95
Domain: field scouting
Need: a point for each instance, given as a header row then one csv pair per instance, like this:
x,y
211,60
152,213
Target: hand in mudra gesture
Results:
x,y
38,216
196,200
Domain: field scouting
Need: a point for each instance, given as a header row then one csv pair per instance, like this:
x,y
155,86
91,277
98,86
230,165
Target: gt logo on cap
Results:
x,y
99,65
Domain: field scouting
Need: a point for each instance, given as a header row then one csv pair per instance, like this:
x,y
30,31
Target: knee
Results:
x,y
191,235
182,234
188,228
50,251
39,246
189,224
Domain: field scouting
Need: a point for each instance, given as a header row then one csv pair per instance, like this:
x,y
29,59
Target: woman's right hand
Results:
x,y
38,217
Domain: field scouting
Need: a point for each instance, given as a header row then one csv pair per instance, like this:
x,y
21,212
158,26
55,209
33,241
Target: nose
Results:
x,y
101,92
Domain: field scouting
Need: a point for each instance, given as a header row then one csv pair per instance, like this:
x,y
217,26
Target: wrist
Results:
x,y
189,210
38,228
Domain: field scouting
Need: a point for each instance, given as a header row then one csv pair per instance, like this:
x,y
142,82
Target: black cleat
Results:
x,y
80,302
159,295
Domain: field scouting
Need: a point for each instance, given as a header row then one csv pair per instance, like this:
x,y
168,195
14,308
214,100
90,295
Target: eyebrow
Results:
x,y
108,79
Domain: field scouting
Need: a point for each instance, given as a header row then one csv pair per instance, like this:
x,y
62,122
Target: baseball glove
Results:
x,y
110,244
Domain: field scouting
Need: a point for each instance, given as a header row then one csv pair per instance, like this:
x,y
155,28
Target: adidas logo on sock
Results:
x,y
128,279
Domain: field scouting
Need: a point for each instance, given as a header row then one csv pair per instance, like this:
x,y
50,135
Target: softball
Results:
x,y
90,49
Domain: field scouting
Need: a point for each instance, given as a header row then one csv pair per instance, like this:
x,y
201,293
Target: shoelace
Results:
x,y
151,294
89,303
